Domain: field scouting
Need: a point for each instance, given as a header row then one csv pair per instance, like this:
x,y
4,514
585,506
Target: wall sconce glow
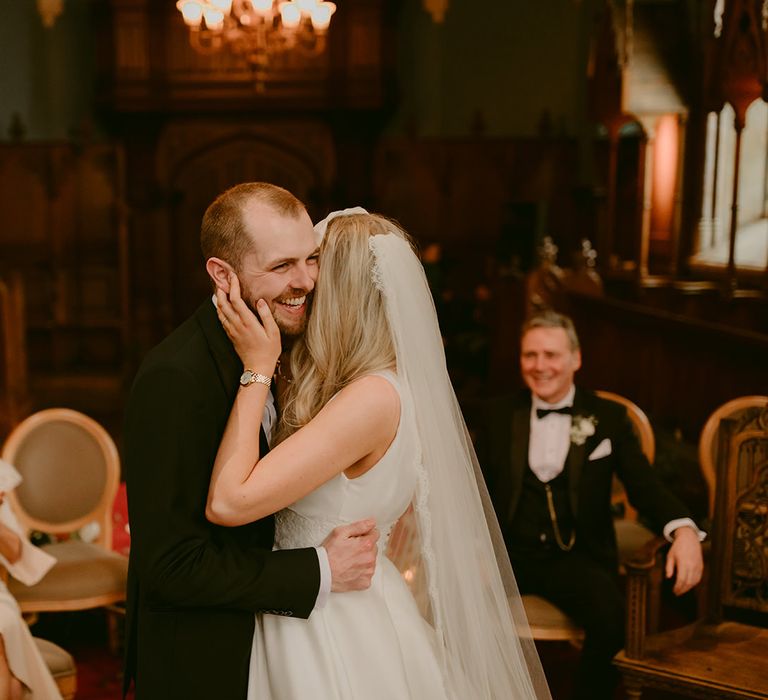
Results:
x,y
665,166
49,11
436,8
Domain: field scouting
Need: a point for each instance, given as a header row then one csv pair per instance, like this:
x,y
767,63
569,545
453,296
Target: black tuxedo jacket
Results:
x,y
193,587
503,453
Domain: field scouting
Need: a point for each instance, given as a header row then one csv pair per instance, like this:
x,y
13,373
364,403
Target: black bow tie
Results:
x,y
565,410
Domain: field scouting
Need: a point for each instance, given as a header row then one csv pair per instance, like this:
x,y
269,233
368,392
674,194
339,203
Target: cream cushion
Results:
x,y
83,572
547,621
58,661
630,537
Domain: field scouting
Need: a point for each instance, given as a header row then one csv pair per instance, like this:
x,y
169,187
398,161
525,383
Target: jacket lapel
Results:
x,y
577,454
225,358
520,436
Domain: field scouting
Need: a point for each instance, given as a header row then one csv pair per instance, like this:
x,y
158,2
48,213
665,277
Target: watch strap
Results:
x,y
250,377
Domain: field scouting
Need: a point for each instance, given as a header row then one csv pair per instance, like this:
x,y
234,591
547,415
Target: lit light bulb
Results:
x,y
306,6
263,7
224,5
214,19
191,11
291,14
321,15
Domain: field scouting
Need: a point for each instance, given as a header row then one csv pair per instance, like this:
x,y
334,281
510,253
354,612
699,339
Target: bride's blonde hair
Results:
x,y
347,334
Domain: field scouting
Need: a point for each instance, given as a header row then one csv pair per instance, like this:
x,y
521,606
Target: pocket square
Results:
x,y
602,450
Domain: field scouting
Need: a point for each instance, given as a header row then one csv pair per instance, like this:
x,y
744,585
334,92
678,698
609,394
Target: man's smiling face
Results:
x,y
281,266
548,362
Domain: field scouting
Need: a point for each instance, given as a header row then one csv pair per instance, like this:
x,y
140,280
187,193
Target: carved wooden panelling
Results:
x,y
741,56
132,46
64,234
745,572
14,389
197,161
364,41
749,573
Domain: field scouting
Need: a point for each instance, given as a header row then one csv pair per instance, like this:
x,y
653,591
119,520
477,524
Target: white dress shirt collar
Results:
x,y
567,400
549,439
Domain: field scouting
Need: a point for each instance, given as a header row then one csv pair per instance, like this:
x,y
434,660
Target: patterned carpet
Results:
x,y
99,674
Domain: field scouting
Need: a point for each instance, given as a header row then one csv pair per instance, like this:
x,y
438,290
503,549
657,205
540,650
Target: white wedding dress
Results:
x,y
364,645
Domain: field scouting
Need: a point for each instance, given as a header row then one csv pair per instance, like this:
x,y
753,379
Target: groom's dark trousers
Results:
x,y
584,581
193,587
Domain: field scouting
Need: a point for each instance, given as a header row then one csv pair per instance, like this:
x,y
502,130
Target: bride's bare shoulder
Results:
x,y
374,391
371,399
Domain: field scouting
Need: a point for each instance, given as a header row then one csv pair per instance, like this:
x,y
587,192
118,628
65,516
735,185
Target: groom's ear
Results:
x,y
219,271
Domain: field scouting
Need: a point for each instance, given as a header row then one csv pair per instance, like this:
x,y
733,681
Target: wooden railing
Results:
x,y
678,369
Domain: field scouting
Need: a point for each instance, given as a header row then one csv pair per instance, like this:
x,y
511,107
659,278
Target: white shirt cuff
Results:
x,y
672,525
325,578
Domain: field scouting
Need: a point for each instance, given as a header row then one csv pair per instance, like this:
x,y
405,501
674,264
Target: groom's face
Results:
x,y
281,266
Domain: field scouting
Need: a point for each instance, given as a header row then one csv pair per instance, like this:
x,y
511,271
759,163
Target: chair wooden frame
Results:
x,y
712,657
545,620
709,435
639,421
644,433
100,513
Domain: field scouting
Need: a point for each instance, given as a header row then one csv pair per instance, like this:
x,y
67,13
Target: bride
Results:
x,y
370,427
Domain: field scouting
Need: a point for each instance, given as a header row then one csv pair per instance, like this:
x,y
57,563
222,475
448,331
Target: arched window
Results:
x,y
751,245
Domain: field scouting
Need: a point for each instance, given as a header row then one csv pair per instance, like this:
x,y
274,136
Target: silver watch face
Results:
x,y
246,377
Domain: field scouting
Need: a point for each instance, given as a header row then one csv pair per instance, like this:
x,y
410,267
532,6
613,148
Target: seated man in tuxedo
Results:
x,y
549,456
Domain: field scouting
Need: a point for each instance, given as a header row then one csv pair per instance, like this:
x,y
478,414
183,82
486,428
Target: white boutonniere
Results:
x,y
582,427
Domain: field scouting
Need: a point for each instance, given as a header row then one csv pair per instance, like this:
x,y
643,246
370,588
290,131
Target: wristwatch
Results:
x,y
249,377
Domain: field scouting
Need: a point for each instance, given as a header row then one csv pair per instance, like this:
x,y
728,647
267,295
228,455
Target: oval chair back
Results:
x,y
71,471
743,409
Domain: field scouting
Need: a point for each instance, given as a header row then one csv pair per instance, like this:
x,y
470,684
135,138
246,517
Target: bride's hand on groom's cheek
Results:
x,y
256,339
352,551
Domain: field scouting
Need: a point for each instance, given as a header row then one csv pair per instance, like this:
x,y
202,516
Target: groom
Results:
x,y
193,587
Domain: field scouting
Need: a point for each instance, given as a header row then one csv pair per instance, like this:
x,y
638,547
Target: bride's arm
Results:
x,y
361,421
257,342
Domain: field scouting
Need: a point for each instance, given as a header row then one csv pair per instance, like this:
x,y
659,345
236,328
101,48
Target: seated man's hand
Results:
x,y
352,551
685,558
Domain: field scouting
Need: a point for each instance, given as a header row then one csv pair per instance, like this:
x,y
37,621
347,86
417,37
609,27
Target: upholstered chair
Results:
x,y
70,469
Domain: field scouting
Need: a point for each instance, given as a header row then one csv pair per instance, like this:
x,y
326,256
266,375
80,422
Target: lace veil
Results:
x,y
448,546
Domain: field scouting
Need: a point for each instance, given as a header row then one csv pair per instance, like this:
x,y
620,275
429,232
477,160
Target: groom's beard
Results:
x,y
289,329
